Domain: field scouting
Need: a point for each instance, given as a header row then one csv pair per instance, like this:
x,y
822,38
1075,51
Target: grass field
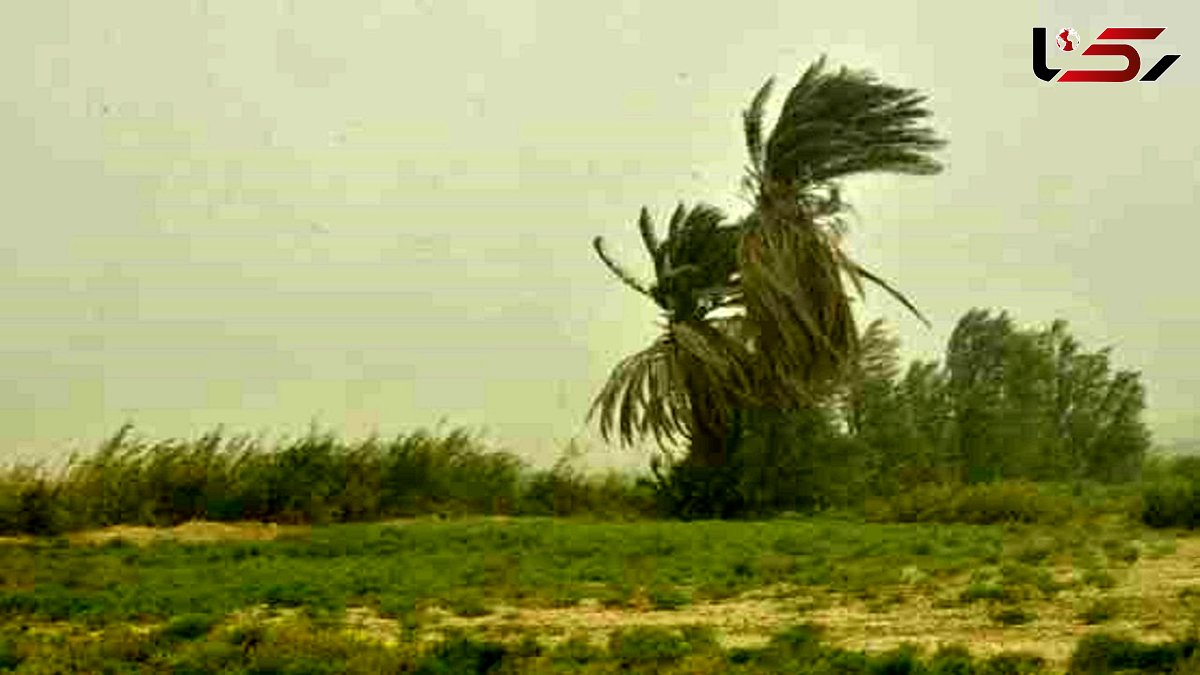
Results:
x,y
560,595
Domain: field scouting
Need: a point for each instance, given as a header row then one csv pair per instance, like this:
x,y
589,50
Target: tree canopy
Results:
x,y
757,310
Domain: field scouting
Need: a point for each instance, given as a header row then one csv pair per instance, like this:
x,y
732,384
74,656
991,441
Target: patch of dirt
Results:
x,y
738,623
195,531
363,622
206,531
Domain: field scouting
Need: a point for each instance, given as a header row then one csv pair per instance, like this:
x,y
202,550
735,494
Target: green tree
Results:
x,y
877,415
757,312
1032,404
1096,413
924,394
994,373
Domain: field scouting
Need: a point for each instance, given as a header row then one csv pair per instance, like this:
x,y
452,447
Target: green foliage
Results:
x,y
565,490
1031,404
953,444
314,479
30,503
665,597
463,655
1013,616
757,312
647,646
1104,653
980,504
302,647
9,657
1099,611
469,566
800,650
188,626
401,569
1171,493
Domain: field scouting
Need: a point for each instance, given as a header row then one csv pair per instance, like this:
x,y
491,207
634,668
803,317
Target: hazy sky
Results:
x,y
378,214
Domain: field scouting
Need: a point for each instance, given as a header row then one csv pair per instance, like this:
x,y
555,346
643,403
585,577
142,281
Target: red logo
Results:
x,y
1068,40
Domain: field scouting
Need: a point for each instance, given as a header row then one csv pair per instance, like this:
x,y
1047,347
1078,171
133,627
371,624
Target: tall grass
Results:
x,y
313,479
318,479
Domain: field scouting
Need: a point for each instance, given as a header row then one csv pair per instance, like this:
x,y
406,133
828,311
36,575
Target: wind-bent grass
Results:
x,y
313,479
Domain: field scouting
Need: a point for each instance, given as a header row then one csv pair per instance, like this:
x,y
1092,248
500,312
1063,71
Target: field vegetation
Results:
x,y
813,506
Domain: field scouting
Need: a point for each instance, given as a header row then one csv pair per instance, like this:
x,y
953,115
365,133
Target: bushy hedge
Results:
x,y
977,504
1171,492
313,479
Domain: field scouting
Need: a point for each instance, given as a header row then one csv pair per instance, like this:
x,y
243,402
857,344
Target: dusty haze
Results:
x,y
377,215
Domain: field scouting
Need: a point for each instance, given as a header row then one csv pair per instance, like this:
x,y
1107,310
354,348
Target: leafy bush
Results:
x,y
1103,653
986,503
647,645
188,626
565,490
30,503
1013,616
1099,611
463,655
1174,502
9,658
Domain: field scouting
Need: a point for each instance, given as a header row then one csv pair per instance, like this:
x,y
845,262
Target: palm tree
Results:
x,y
757,311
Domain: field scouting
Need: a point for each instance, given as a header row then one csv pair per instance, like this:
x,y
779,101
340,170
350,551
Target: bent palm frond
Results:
x,y
834,124
693,374
758,310
619,271
794,270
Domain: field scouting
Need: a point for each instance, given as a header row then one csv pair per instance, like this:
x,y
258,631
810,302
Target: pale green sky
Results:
x,y
378,214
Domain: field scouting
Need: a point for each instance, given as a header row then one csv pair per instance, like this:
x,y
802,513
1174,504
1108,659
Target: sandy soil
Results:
x,y
195,531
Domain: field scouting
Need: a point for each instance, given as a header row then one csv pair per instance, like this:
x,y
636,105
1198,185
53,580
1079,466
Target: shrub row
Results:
x,y
195,644
977,504
315,479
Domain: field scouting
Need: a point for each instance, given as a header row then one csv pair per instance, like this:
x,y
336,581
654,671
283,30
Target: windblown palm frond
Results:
x,y
878,354
781,271
695,374
701,362
752,123
833,124
872,374
620,272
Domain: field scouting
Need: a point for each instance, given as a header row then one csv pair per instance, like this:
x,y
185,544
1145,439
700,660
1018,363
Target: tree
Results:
x,y
924,394
876,414
757,311
1097,414
1033,404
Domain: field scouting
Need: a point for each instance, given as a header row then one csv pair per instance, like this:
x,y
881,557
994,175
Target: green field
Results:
x,y
833,594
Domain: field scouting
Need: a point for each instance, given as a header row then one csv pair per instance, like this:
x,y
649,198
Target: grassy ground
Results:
x,y
539,595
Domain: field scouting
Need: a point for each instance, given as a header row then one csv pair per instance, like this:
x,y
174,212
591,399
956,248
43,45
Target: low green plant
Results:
x,y
1013,616
986,503
669,597
1099,610
188,626
1106,653
1173,502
